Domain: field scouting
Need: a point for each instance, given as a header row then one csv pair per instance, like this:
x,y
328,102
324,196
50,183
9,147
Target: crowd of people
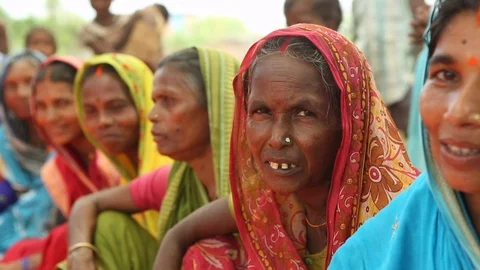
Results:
x,y
314,152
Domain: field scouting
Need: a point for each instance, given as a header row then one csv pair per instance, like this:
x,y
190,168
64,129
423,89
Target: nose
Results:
x,y
279,133
24,90
153,114
105,119
51,114
464,109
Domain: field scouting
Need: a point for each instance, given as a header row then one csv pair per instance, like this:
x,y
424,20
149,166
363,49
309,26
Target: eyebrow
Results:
x,y
442,59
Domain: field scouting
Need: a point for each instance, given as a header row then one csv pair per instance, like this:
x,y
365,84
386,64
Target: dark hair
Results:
x,y
164,11
35,29
57,72
302,49
445,11
188,62
327,10
107,69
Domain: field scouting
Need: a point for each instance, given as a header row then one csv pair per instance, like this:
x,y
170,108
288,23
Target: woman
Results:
x,y
112,97
139,34
193,95
76,169
314,154
22,154
434,224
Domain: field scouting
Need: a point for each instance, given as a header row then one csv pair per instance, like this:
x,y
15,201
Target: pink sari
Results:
x,y
371,168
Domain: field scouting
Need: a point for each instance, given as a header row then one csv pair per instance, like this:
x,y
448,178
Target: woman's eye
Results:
x,y
63,103
305,113
446,75
166,101
261,111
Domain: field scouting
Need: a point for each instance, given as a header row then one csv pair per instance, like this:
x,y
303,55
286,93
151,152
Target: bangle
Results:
x,y
82,245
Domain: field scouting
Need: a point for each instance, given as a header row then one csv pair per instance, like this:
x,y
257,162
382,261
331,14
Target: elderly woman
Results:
x,y
314,154
435,223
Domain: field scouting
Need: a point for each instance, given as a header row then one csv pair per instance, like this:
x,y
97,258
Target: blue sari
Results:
x,y
425,227
20,164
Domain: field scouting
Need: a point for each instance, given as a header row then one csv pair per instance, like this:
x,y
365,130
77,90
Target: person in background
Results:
x,y
3,40
42,40
327,13
22,153
139,34
380,30
435,224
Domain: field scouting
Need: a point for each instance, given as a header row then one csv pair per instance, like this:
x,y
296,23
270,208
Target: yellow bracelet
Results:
x,y
81,245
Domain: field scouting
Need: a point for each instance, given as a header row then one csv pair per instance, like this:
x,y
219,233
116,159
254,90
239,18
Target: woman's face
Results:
x,y
110,114
288,100
302,11
55,111
180,122
450,103
17,87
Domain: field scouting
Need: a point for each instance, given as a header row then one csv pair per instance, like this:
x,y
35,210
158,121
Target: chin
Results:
x,y
463,182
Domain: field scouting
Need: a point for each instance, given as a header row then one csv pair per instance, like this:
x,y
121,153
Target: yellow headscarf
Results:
x,y
139,79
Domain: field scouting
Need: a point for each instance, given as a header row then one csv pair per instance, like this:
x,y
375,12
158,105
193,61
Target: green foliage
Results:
x,y
64,25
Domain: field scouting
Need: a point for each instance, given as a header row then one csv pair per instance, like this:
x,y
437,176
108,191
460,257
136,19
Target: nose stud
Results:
x,y
288,140
475,117
155,116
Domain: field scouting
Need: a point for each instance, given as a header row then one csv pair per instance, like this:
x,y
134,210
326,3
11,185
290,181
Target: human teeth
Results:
x,y
460,151
293,166
274,165
284,166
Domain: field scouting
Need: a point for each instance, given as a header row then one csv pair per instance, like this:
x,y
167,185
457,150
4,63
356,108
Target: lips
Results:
x,y
463,155
281,167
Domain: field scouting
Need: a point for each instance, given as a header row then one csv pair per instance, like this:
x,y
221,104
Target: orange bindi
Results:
x,y
478,17
473,61
99,71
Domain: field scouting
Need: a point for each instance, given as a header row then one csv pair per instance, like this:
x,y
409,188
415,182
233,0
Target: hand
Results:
x,y
81,259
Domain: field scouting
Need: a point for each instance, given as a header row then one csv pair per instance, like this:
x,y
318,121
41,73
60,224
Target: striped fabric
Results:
x,y
381,30
185,192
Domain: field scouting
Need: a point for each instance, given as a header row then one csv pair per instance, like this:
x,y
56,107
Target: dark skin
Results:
x,y
176,99
110,115
419,23
17,92
42,41
3,39
56,116
287,98
449,100
302,11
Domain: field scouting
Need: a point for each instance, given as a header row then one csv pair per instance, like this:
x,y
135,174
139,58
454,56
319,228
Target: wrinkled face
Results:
x,y
288,100
55,111
41,41
180,121
110,114
101,6
450,103
302,11
17,88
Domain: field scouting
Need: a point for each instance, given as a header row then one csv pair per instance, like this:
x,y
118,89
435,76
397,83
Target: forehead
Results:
x,y
171,79
21,67
278,73
461,37
103,87
50,88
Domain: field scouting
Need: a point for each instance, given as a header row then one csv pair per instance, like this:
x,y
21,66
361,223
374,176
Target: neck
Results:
x,y
105,18
83,148
133,157
314,199
472,202
203,167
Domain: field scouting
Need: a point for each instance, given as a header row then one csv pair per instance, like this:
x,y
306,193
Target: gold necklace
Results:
x,y
313,225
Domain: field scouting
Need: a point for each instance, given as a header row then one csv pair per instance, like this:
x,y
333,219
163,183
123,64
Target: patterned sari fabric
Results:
x,y
371,166
139,79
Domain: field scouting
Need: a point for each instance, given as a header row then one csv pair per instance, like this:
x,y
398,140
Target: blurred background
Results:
x,y
225,24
